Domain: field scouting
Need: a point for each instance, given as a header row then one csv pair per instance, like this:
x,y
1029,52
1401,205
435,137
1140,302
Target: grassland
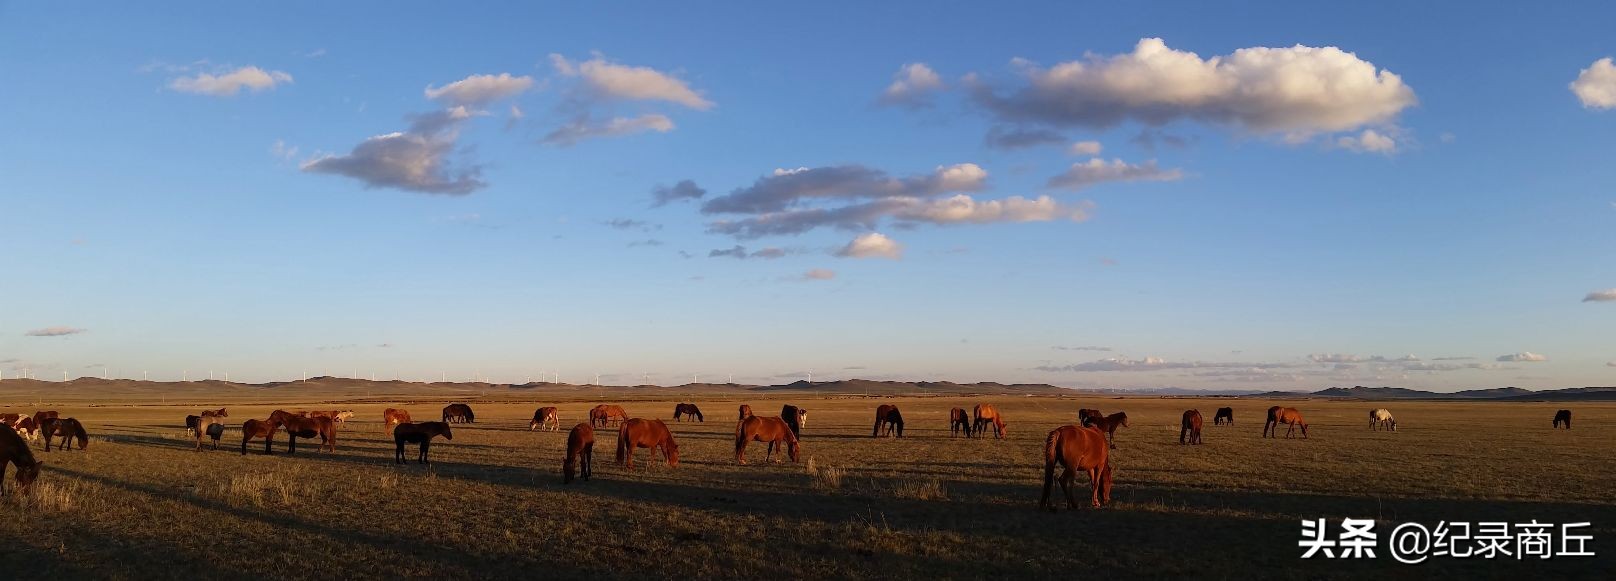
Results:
x,y
141,504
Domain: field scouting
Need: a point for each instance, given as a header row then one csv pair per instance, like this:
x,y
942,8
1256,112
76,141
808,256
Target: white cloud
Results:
x,y
785,188
415,160
1370,141
479,90
1524,356
614,81
962,208
1333,358
912,86
1096,171
584,128
1600,296
55,332
1296,92
819,274
230,83
1596,85
281,150
872,245
1089,148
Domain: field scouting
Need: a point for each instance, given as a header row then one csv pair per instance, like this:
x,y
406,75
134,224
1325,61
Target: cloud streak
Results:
x,y
55,332
230,83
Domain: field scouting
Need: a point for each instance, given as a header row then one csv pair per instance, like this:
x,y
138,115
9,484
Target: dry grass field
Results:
x,y
141,504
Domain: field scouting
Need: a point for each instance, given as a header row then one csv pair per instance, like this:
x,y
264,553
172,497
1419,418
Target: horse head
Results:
x,y
448,434
27,474
671,450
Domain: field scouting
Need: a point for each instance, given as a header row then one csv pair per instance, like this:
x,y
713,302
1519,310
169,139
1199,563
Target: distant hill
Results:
x,y
872,387
1497,393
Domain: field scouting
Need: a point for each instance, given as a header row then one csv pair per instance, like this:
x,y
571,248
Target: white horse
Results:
x,y
1382,418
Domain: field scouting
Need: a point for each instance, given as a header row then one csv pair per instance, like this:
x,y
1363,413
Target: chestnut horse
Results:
x,y
458,413
68,429
887,415
580,452
1109,425
746,411
795,417
1077,448
1562,416
983,416
1087,416
422,433
258,429
1191,427
604,414
775,431
544,419
40,417
392,417
959,419
218,413
643,433
687,409
301,427
1282,415
13,450
1223,415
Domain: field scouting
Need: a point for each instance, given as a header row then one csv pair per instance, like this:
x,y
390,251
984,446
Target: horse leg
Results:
x,y
1069,478
588,460
398,453
426,448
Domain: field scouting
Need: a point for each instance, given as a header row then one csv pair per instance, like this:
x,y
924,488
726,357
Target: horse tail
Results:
x,y
1051,451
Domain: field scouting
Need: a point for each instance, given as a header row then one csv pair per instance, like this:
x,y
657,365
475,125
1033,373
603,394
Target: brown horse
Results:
x,y
1077,448
27,428
687,409
985,415
1087,416
14,450
422,433
301,427
220,413
544,418
458,413
41,416
191,423
211,426
1191,427
643,433
604,414
760,429
10,420
258,429
1562,416
1282,415
746,412
392,417
887,415
1109,425
959,419
1223,415
68,429
580,452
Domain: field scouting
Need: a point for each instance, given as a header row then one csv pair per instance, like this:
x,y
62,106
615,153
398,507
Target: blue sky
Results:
x,y
1281,197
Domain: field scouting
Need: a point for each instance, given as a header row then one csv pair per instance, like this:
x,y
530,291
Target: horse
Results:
x,y
301,427
543,418
68,429
580,452
795,417
211,426
1085,416
41,416
959,419
10,420
1562,416
13,450
887,415
221,413
1282,415
392,417
27,428
1223,415
1077,448
687,409
985,415
1109,425
333,415
190,424
605,414
258,429
422,433
746,412
761,429
643,433
1382,419
458,413
1191,427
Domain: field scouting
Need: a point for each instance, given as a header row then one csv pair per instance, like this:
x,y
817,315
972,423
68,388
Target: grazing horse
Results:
x,y
301,427
887,415
27,428
1077,448
580,452
258,429
68,429
687,409
643,433
1191,427
1109,425
458,413
392,417
959,419
422,433
1282,415
41,416
604,414
544,418
1087,416
211,426
746,412
1382,419
1562,416
795,417
1223,415
985,415
775,431
14,450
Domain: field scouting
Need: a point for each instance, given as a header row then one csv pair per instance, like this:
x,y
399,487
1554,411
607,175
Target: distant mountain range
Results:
x,y
1494,394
